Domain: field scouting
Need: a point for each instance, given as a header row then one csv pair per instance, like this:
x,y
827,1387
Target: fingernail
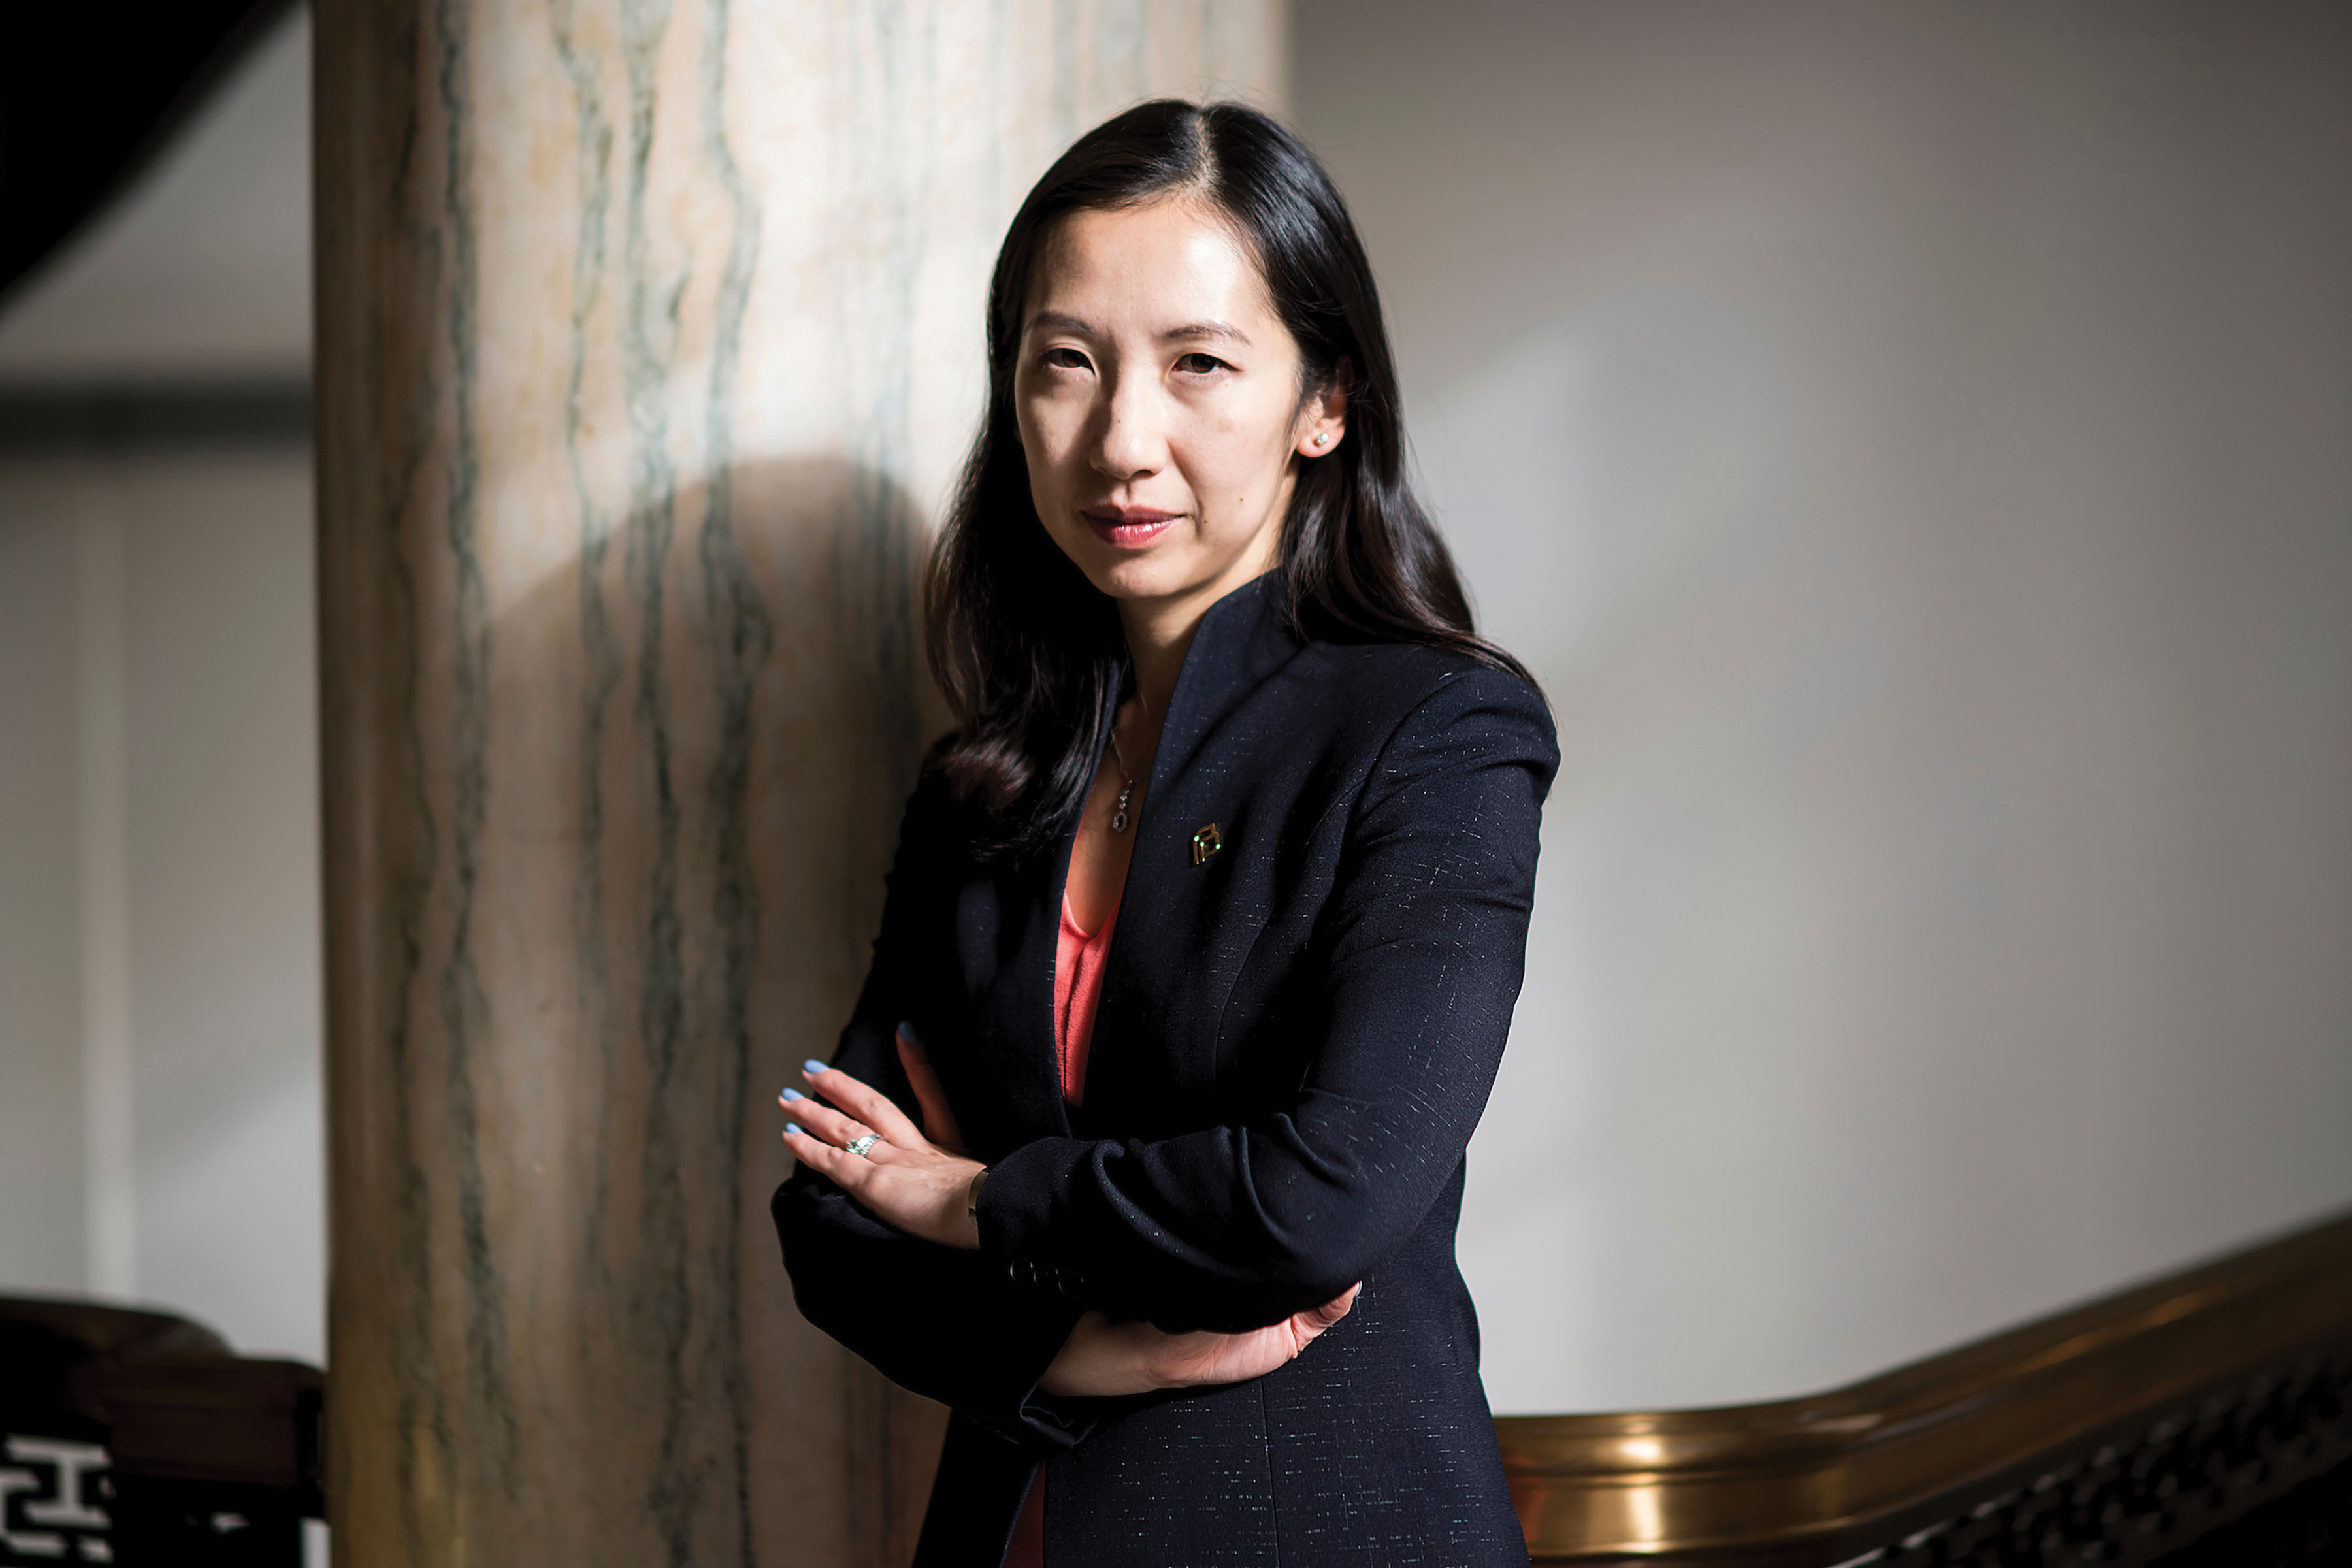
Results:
x,y
793,1094
814,1066
907,1031
793,1127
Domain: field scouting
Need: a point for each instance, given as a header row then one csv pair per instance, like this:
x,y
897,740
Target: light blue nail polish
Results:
x,y
907,1031
814,1066
793,1127
793,1094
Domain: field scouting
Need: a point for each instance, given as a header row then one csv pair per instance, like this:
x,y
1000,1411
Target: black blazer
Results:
x,y
1296,1034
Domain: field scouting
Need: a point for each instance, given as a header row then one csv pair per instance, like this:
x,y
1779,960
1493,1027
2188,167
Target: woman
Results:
x,y
1168,1220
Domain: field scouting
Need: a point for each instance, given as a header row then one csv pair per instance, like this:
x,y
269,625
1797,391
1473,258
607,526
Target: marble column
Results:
x,y
649,339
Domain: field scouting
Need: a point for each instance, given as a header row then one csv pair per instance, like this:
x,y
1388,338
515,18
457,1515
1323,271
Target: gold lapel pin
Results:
x,y
1206,841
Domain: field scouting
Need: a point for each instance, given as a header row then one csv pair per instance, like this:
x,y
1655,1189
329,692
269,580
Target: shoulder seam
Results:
x,y
1388,743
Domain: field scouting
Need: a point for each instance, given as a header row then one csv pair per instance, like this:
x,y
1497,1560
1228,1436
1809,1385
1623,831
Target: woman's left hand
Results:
x,y
1101,1357
905,1179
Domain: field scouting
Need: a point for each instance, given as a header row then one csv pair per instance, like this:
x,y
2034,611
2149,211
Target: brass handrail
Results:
x,y
1764,1479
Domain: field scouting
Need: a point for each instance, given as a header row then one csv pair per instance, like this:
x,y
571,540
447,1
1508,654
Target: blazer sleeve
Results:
x,y
1236,1226
943,1321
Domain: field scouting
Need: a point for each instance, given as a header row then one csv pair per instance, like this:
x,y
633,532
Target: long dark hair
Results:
x,y
1027,650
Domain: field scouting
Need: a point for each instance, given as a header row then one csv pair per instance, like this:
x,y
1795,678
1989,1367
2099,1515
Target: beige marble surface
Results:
x,y
649,338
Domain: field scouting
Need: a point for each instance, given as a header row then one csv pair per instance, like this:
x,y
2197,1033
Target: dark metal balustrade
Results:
x,y
139,1438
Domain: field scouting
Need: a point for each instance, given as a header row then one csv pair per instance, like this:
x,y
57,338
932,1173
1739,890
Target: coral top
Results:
x,y
1078,989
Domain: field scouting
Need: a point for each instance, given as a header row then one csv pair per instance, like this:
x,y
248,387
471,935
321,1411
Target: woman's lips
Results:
x,y
1129,527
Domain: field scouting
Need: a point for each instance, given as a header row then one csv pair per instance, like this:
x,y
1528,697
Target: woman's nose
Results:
x,y
1130,443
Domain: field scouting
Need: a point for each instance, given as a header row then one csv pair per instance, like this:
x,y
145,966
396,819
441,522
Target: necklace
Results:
x,y
1126,788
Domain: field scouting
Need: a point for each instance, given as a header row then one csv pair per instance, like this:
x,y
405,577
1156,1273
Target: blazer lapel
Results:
x,y
1164,981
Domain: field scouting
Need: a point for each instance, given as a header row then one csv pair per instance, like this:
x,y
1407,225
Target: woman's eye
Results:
x,y
1201,364
1065,359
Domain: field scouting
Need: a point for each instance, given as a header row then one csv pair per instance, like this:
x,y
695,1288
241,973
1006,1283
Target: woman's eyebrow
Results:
x,y
1225,332
1221,331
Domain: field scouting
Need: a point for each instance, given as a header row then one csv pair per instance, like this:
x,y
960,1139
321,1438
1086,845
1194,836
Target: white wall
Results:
x,y
43,1223
213,974
1910,442
160,1116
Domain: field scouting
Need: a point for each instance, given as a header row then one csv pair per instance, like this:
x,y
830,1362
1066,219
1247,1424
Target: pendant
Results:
x,y
1119,813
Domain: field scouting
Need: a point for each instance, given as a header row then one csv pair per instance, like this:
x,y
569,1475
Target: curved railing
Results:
x,y
2119,1432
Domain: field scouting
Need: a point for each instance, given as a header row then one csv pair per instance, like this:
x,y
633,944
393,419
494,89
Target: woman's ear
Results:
x,y
1327,413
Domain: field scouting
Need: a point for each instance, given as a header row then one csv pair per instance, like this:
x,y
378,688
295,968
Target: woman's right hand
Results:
x,y
1101,1357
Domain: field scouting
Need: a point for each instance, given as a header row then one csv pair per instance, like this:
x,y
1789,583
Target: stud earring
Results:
x,y
1324,440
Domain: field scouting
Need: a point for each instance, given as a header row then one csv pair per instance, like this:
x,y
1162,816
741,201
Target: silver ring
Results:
x,y
858,1146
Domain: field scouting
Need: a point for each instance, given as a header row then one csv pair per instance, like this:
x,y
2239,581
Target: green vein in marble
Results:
x,y
661,1293
744,637
600,648
418,1402
465,1006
